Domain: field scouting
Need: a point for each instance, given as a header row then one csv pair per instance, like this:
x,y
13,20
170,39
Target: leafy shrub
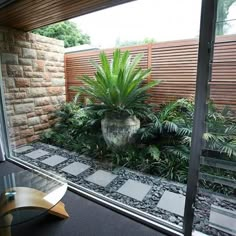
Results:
x,y
162,144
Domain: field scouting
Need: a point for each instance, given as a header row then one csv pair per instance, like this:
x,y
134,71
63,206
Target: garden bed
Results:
x,y
154,186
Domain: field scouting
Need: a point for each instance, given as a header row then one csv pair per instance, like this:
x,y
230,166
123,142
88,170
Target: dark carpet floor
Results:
x,y
87,218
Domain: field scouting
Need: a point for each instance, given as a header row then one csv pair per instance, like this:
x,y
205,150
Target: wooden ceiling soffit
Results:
x,y
31,14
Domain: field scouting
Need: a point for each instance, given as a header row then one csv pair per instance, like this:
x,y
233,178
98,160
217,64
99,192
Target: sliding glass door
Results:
x,y
150,180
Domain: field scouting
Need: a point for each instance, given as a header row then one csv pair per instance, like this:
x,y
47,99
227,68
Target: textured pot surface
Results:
x,y
118,132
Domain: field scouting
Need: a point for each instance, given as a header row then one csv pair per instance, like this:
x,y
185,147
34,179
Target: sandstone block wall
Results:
x,y
33,80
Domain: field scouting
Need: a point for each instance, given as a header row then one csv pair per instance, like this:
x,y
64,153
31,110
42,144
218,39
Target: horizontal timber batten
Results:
x,y
175,64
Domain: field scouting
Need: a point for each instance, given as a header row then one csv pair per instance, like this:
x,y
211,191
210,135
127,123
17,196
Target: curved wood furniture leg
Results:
x,y
6,220
28,198
59,211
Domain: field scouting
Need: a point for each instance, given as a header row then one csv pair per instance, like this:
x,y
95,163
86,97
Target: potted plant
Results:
x,y
119,91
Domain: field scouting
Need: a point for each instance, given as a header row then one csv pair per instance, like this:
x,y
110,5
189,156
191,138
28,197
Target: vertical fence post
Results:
x,y
149,59
66,78
149,65
205,51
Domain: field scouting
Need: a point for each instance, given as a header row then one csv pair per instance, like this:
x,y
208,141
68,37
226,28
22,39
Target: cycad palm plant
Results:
x,y
121,91
118,84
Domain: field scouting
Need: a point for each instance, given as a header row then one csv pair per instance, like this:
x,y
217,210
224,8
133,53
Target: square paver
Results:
x,y
223,219
75,168
101,177
54,160
135,189
37,153
172,202
23,149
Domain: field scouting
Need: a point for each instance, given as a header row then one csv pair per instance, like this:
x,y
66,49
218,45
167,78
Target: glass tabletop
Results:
x,y
28,194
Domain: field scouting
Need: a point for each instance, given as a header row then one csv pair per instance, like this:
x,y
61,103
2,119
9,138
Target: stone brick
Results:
x,y
51,69
54,100
61,99
48,108
61,69
50,63
25,62
41,55
10,113
23,127
23,44
28,68
10,58
27,133
58,75
4,70
47,76
35,84
54,91
4,47
33,75
37,92
59,64
42,39
15,70
20,142
44,119
37,80
33,138
23,89
46,84
15,49
30,37
29,53
13,90
52,56
14,131
58,82
9,96
51,116
20,95
27,100
18,120
42,101
32,114
24,108
22,82
9,82
38,65
41,46
33,121
19,35
41,127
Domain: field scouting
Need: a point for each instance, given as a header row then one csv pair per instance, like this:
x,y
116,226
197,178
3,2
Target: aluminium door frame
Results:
x,y
204,68
206,42
3,120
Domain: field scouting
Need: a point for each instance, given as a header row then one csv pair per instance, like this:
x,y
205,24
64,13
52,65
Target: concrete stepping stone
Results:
x,y
75,168
23,149
135,189
223,219
54,160
172,202
37,153
101,177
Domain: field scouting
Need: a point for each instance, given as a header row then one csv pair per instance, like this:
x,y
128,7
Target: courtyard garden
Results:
x,y
159,144
111,139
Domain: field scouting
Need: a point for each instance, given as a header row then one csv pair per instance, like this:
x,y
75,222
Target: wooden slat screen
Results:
x,y
175,64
